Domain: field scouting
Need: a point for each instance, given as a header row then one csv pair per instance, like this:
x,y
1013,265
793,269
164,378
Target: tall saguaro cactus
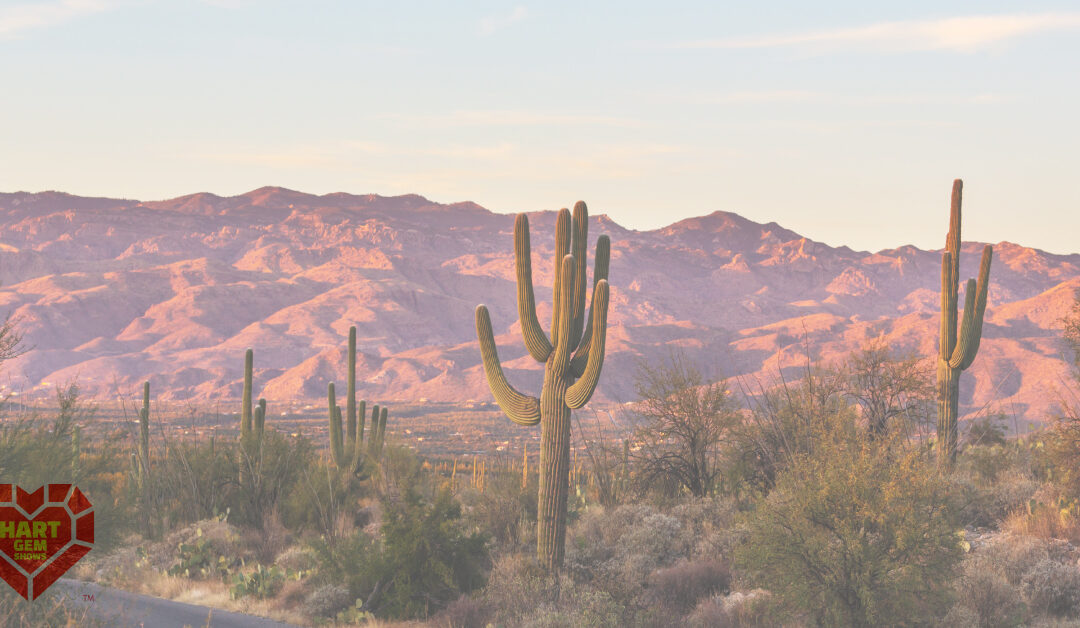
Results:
x,y
245,408
958,345
572,357
144,431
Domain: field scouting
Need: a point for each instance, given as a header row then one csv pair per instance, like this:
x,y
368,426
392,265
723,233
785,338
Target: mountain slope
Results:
x,y
117,291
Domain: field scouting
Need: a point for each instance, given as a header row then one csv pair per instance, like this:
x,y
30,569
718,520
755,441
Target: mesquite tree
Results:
x,y
572,357
957,347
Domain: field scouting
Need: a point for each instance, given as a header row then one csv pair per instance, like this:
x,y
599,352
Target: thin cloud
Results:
x,y
956,34
493,23
799,97
766,97
509,118
23,17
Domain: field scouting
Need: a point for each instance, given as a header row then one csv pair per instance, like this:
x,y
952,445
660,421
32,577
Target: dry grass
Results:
x,y
1047,516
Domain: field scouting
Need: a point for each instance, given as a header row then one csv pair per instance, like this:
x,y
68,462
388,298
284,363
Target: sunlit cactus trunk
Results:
x,y
245,408
573,358
958,345
144,431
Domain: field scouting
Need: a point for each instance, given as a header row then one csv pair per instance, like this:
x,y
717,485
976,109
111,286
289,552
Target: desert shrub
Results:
x,y
708,526
739,608
464,612
292,594
421,562
960,617
1047,515
266,475
988,432
297,558
1013,555
1053,588
502,510
617,551
856,532
988,505
324,499
430,561
784,423
683,427
578,606
988,463
682,586
516,586
193,483
327,600
987,593
654,544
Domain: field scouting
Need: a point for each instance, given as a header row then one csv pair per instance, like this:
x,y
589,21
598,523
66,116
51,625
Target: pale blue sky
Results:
x,y
845,121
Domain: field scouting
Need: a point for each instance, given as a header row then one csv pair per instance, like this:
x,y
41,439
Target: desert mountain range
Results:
x,y
115,292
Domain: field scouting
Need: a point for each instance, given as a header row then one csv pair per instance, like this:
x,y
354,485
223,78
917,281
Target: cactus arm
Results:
x,y
535,341
600,272
144,429
965,331
521,409
579,393
374,430
245,411
336,449
971,337
562,249
350,399
952,240
947,335
260,417
564,319
579,246
382,427
361,418
357,459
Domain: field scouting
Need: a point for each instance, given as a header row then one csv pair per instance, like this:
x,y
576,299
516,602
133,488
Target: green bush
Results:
x,y
430,561
857,532
421,562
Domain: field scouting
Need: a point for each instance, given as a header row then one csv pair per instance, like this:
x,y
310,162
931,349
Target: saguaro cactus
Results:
x,y
572,357
144,431
957,346
378,424
245,409
349,455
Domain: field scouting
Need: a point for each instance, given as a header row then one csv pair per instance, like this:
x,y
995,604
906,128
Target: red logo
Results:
x,y
42,535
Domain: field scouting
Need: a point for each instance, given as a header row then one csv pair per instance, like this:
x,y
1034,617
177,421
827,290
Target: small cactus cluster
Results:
x,y
252,423
252,417
347,449
957,345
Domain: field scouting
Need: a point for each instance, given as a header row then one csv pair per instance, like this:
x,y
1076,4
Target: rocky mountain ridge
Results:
x,y
117,291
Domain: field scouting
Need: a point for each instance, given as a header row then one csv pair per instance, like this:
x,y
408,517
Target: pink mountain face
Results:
x,y
117,291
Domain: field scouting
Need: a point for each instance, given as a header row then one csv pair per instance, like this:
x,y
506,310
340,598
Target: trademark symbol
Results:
x,y
88,597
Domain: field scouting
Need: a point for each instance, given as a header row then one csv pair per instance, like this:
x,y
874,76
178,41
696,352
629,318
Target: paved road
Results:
x,y
131,610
